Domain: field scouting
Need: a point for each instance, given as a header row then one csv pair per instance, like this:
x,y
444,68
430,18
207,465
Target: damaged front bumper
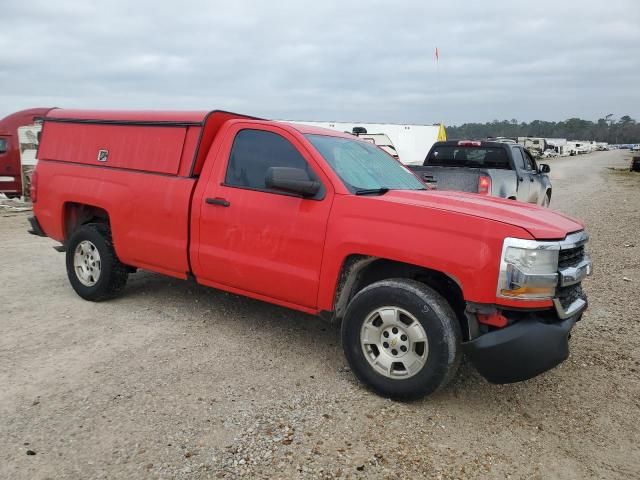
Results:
x,y
522,350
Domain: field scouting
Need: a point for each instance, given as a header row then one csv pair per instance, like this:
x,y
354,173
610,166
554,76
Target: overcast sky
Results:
x,y
327,60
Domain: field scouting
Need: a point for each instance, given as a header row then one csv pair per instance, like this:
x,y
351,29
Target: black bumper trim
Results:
x,y
520,351
36,229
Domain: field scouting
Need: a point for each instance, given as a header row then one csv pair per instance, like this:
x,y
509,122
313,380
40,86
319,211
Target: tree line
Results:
x,y
623,130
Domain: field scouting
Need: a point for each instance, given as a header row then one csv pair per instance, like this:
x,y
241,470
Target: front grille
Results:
x,y
573,265
570,257
568,295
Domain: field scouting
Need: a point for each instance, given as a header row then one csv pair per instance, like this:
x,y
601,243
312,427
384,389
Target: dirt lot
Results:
x,y
174,380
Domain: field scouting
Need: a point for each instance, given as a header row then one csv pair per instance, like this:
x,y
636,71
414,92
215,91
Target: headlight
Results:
x,y
528,269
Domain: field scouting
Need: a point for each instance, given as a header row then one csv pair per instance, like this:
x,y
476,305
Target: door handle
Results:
x,y
218,201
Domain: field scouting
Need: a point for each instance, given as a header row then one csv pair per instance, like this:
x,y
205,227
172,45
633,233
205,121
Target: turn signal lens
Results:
x,y
530,292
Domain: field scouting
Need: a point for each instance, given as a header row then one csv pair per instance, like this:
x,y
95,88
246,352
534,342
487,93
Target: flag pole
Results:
x,y
441,131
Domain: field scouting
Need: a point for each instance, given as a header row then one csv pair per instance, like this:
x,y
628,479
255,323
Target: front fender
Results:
x,y
465,248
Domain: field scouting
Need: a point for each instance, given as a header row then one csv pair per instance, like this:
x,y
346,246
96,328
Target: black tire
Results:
x,y
113,274
436,318
546,201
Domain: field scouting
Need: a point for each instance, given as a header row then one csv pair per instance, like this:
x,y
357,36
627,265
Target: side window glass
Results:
x,y
531,164
527,161
3,145
254,151
518,158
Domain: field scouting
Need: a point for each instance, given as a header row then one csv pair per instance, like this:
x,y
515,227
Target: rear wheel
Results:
x,y
546,201
401,338
93,268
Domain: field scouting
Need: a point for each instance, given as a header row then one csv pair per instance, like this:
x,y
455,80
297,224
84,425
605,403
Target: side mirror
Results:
x,y
292,180
544,168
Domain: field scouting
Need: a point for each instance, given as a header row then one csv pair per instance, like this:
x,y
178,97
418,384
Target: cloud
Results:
x,y
326,60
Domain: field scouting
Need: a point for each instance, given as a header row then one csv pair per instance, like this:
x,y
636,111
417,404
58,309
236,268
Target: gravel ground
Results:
x,y
173,380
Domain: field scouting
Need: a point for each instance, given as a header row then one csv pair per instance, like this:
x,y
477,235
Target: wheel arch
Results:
x,y
76,214
360,271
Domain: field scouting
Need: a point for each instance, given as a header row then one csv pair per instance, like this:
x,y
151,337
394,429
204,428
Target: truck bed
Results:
x,y
140,167
450,178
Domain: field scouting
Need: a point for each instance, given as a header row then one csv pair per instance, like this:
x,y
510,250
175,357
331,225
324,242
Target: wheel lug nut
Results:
x,y
403,348
394,351
394,330
386,334
403,338
385,345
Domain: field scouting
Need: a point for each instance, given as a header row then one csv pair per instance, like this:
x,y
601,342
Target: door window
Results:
x,y
529,161
518,158
253,152
3,145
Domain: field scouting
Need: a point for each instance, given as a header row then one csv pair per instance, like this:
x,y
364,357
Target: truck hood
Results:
x,y
541,223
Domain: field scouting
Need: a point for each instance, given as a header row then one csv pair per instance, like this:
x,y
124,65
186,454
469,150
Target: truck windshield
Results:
x,y
363,167
472,157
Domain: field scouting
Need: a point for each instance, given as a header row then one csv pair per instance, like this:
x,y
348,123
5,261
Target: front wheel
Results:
x,y
401,338
546,201
93,268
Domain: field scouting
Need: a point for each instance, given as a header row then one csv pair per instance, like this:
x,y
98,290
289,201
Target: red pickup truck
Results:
x,y
320,222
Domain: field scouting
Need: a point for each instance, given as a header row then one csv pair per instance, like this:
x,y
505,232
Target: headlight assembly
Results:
x,y
528,269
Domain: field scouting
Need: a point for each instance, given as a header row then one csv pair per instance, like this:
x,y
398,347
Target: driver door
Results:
x,y
258,240
534,178
522,174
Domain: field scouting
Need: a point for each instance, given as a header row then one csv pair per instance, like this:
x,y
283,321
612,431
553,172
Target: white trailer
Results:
x,y
536,145
559,145
412,142
578,147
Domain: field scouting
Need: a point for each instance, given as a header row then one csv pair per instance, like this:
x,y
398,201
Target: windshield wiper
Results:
x,y
372,191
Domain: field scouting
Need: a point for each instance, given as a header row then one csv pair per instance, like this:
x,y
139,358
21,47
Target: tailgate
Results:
x,y
450,178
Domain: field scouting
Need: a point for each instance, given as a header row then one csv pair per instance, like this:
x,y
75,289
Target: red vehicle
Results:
x,y
10,175
320,222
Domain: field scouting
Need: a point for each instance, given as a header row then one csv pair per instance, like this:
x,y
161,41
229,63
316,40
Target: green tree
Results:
x,y
625,130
